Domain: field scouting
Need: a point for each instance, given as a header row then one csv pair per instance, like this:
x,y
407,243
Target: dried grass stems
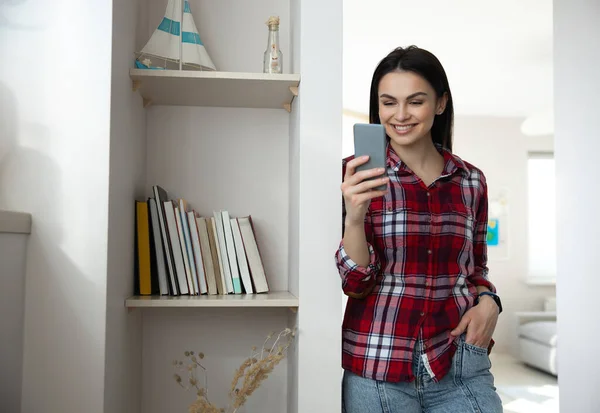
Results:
x,y
252,372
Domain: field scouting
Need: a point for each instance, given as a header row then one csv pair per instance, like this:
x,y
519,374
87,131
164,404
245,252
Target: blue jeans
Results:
x,y
467,388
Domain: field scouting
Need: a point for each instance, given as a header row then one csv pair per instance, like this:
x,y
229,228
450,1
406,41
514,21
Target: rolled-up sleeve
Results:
x,y
357,280
480,277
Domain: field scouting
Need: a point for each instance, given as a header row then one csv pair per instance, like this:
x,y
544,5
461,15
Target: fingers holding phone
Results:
x,y
365,174
359,187
365,179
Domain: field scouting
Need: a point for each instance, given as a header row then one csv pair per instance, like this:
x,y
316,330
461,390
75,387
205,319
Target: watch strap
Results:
x,y
494,296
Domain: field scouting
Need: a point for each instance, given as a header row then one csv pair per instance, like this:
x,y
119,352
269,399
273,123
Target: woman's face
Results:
x,y
407,107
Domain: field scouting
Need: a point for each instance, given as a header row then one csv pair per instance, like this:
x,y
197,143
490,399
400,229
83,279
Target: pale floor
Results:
x,y
523,389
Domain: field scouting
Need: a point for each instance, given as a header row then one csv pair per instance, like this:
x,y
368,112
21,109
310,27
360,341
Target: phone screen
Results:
x,y
370,139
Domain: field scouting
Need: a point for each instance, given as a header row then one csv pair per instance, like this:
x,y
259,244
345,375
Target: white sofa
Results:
x,y
537,345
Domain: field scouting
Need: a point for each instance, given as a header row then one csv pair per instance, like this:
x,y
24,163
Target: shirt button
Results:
x,y
389,209
429,252
428,194
422,314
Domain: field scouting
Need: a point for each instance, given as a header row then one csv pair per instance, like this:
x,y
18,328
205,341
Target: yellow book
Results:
x,y
143,248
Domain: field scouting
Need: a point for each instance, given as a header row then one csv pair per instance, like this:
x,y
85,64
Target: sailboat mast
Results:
x,y
181,36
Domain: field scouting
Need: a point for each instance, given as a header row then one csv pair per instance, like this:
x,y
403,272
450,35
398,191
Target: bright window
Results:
x,y
541,218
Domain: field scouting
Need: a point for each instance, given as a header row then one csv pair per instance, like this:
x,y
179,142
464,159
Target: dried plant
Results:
x,y
246,379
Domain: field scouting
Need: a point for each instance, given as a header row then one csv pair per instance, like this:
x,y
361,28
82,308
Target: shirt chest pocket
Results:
x,y
392,224
454,220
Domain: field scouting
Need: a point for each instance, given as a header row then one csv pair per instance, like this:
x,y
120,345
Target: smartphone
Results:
x,y
370,139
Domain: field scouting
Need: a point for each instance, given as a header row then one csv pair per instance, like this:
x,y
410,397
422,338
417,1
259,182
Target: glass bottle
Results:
x,y
273,58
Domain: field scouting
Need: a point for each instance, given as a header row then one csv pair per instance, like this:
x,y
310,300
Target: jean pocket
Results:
x,y
476,349
472,347
475,360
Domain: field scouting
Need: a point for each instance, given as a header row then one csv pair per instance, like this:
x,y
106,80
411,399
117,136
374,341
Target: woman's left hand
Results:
x,y
479,322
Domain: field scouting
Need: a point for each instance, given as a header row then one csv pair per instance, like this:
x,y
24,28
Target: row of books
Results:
x,y
179,252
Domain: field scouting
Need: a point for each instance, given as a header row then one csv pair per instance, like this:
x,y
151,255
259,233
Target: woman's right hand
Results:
x,y
358,190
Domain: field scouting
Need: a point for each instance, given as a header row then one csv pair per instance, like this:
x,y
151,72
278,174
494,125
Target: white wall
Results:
x,y
55,94
577,143
319,210
348,121
127,183
294,197
499,149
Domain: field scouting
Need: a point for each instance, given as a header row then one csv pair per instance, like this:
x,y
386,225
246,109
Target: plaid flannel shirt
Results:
x,y
428,253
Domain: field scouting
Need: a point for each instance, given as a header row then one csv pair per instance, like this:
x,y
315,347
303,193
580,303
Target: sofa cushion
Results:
x,y
543,332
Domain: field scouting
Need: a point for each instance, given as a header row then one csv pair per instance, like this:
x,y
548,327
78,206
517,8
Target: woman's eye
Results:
x,y
388,103
416,103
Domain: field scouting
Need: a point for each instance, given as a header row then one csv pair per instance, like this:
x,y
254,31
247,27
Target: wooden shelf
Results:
x,y
272,299
219,89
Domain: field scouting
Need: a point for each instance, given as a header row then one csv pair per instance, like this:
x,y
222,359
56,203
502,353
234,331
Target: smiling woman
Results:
x,y
415,83
421,310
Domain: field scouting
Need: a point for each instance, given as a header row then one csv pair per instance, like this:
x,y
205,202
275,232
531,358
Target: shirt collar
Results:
x,y
451,162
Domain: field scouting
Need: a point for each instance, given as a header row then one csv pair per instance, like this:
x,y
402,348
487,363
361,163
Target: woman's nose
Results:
x,y
401,113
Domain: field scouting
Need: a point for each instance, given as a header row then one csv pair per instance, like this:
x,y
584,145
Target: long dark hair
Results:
x,y
426,65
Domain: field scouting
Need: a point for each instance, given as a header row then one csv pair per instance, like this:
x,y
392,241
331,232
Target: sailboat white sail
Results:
x,y
172,40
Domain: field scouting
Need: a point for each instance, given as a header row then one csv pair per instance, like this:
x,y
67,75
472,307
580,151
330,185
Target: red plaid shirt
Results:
x,y
428,253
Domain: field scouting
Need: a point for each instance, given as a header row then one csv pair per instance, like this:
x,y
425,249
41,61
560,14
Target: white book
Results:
x,y
223,258
231,254
255,263
197,252
241,256
189,250
216,255
209,265
171,224
184,254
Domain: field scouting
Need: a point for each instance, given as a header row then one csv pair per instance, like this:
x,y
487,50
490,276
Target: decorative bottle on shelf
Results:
x,y
273,57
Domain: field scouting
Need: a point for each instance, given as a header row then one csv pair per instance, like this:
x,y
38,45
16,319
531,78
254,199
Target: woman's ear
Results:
x,y
441,104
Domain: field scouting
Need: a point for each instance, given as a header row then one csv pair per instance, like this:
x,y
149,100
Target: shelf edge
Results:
x,y
215,301
190,74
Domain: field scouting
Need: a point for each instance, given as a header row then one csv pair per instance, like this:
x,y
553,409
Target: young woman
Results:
x,y
413,260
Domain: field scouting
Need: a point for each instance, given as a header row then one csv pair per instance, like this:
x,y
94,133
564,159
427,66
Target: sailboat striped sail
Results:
x,y
172,40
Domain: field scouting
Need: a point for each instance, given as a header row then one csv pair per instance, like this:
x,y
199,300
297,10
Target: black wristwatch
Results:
x,y
494,296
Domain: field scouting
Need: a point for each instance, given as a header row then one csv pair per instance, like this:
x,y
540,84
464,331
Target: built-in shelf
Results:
x,y
220,89
272,299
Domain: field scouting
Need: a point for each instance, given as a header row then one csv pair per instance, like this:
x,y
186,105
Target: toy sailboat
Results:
x,y
174,45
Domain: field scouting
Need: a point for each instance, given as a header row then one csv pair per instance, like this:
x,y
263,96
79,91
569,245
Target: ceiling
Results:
x,y
497,55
